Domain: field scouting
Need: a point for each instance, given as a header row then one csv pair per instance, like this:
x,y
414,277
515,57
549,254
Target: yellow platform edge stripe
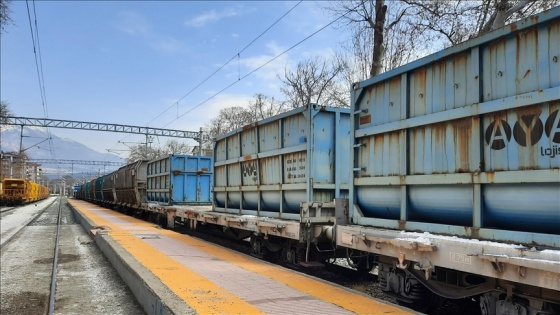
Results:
x,y
201,294
348,300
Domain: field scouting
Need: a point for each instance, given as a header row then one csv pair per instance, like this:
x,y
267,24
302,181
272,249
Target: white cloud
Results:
x,y
133,24
210,16
272,69
167,44
136,25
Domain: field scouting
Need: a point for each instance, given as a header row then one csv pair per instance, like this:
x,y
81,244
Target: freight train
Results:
x,y
444,174
171,180
19,191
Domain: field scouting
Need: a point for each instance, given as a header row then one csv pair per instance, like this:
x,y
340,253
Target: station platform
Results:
x,y
173,273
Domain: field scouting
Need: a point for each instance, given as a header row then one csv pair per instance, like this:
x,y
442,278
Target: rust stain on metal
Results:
x,y
534,18
420,80
366,119
395,83
461,60
490,177
369,92
527,73
402,225
439,69
247,158
471,232
513,27
439,135
378,143
463,132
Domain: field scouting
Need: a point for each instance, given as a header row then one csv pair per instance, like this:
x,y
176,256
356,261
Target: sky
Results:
x,y
140,62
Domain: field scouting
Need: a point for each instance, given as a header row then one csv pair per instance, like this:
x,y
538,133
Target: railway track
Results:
x,y
51,266
6,209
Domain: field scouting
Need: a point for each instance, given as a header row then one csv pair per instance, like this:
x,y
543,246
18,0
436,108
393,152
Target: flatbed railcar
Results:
x,y
445,174
454,178
455,173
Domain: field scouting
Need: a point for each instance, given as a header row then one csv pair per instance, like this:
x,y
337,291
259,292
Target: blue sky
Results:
x,y
130,62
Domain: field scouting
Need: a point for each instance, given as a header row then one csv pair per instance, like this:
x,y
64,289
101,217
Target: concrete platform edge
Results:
x,y
150,292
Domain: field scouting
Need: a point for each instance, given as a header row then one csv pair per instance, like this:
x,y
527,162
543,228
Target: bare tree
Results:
x,y
501,12
141,152
452,22
416,28
316,80
263,106
4,111
370,20
228,119
174,147
5,14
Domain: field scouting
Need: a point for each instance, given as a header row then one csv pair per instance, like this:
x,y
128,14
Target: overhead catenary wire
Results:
x,y
256,69
251,72
236,56
43,90
42,77
39,68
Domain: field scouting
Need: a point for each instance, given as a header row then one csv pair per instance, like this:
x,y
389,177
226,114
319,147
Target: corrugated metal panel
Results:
x,y
180,180
466,141
108,188
294,160
130,183
98,187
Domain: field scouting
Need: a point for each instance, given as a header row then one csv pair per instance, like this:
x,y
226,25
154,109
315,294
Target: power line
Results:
x,y
221,67
43,91
39,67
35,53
225,64
258,68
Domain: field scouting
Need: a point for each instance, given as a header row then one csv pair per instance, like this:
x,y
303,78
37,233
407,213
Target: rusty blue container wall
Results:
x,y
180,180
269,167
466,141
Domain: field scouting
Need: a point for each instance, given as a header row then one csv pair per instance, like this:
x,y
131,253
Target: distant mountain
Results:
x,y
66,149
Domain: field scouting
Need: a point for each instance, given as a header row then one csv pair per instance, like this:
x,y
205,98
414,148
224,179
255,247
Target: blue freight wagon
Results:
x,y
456,173
180,180
267,168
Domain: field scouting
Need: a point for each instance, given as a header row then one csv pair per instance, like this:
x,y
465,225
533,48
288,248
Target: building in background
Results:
x,y
16,165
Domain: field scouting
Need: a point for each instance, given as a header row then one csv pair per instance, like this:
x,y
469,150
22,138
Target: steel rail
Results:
x,y
55,260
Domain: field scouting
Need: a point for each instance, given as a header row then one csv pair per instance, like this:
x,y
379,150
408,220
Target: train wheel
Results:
x,y
289,255
364,264
259,249
424,300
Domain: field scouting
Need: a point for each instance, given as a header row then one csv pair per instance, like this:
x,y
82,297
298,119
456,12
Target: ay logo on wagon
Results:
x,y
527,132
